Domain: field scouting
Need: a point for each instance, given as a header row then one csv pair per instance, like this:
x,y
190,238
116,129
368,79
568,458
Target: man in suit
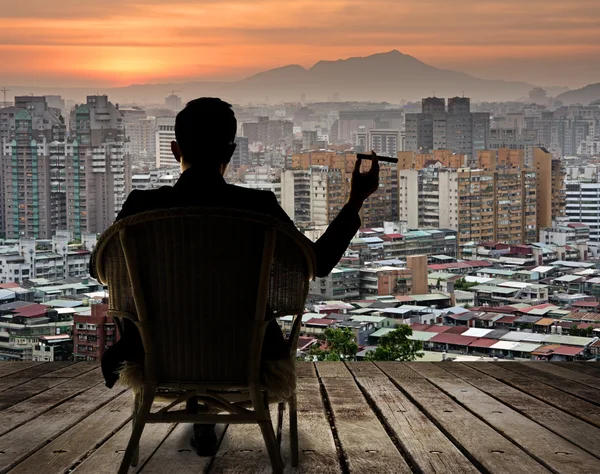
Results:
x,y
205,131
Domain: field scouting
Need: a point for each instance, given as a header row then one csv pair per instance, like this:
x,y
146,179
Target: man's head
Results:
x,y
205,133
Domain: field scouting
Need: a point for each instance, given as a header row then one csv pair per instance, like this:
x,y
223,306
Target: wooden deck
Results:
x,y
359,417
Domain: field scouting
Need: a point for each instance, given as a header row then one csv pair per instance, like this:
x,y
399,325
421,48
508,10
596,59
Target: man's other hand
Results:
x,y
363,185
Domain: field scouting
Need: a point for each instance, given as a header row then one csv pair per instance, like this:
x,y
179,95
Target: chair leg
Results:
x,y
266,427
293,430
280,410
137,399
147,397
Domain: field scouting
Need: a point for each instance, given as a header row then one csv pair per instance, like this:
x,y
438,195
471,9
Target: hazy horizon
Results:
x,y
124,42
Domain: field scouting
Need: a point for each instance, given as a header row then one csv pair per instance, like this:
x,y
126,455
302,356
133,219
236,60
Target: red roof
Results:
x,y
420,327
438,329
6,286
456,330
539,306
506,319
31,311
455,339
392,236
576,224
587,325
483,342
568,350
320,322
405,298
304,342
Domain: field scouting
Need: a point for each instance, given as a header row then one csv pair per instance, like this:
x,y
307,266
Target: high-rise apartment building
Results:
x,y
241,155
382,142
267,131
482,205
313,196
583,204
140,142
352,121
27,200
457,129
550,188
380,207
164,135
447,159
98,173
173,102
514,139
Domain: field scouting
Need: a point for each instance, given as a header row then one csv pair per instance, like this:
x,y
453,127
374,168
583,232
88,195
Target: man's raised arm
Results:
x,y
330,248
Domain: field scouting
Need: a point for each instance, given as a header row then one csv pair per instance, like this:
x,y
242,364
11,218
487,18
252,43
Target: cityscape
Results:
x,y
487,225
458,333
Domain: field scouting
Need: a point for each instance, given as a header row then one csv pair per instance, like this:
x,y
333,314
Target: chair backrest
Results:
x,y
199,282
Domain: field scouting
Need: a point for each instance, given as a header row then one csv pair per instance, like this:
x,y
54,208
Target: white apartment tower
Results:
x,y
164,135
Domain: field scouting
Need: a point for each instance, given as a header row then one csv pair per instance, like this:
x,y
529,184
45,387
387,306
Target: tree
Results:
x,y
463,284
335,344
396,345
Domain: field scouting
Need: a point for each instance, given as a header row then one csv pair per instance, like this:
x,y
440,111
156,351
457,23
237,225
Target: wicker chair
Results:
x,y
197,283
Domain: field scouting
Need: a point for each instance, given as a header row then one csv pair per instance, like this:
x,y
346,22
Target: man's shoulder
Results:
x,y
141,194
258,194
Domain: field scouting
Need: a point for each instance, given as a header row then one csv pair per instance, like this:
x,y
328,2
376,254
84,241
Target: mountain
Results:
x,y
387,76
583,96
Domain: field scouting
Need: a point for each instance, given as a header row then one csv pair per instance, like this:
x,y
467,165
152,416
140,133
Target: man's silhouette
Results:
x,y
205,131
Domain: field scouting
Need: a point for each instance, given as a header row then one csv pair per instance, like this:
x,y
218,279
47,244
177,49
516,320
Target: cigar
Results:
x,y
387,159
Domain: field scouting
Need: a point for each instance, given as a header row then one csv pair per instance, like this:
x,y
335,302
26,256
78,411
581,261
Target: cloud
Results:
x,y
134,40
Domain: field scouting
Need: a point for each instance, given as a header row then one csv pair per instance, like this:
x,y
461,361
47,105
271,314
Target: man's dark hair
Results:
x,y
205,126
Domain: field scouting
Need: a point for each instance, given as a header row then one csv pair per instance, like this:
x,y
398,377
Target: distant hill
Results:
x,y
387,76
583,96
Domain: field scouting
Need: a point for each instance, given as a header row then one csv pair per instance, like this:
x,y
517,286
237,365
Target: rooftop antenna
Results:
x,y
4,90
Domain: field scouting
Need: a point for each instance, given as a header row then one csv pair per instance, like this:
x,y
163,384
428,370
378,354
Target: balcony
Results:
x,y
357,417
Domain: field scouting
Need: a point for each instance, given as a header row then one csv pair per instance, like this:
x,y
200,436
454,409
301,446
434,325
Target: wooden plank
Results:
x,y
589,368
426,445
27,390
41,369
243,450
305,369
70,447
39,384
572,429
557,398
365,444
365,369
23,376
316,445
332,369
484,446
107,458
568,386
175,454
571,375
27,410
21,442
8,368
73,370
549,448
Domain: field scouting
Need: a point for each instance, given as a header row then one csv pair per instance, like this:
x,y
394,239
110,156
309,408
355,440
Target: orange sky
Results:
x,y
118,42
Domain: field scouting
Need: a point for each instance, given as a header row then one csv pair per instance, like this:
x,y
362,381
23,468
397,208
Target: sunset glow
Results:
x,y
119,42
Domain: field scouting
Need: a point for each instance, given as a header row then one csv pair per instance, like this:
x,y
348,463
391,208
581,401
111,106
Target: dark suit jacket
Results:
x,y
201,188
